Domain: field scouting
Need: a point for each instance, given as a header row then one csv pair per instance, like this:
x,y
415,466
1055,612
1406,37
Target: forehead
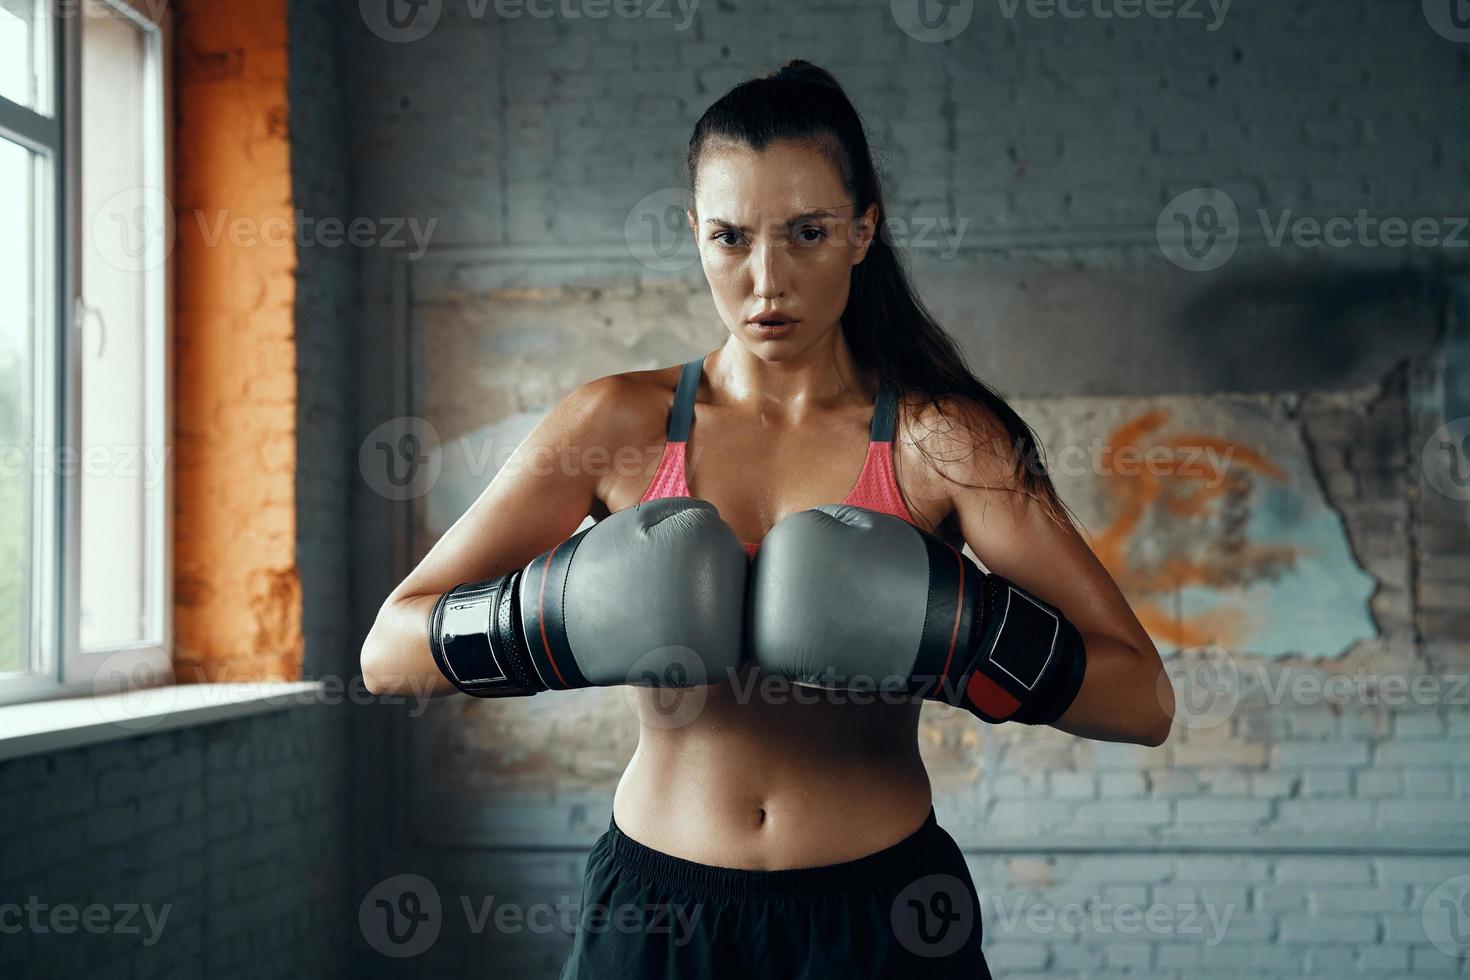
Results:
x,y
784,177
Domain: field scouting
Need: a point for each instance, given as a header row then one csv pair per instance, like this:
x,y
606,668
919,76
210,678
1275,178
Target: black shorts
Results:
x,y
908,911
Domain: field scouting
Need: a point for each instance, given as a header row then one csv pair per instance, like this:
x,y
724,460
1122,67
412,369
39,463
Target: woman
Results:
x,y
788,835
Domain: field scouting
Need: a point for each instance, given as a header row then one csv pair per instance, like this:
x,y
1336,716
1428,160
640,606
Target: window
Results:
x,y
25,43
84,244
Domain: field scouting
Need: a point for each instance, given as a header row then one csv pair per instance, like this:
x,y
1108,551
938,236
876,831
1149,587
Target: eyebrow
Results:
x,y
804,216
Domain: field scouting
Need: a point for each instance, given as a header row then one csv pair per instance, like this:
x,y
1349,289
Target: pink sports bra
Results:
x,y
877,484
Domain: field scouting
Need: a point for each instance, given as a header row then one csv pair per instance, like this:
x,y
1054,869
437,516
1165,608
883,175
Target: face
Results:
x,y
778,237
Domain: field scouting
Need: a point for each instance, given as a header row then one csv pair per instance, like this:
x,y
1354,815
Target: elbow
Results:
x,y
368,665
372,661
1158,735
394,658
372,683
1162,723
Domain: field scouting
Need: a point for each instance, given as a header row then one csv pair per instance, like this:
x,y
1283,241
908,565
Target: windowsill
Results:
x,y
50,726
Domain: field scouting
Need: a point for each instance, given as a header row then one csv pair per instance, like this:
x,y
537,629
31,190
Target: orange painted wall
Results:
x,y
237,591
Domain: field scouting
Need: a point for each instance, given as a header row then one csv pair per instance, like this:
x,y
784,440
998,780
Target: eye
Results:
x,y
720,237
818,232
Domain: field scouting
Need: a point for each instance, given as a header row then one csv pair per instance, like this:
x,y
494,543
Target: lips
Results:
x,y
771,320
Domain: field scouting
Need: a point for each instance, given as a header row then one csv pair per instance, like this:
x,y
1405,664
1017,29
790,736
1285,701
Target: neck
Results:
x,y
822,378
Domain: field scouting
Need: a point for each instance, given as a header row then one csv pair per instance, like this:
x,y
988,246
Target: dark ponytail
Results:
x,y
886,325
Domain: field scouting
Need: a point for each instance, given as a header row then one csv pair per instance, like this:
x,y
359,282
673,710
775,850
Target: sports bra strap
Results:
x,y
885,415
681,416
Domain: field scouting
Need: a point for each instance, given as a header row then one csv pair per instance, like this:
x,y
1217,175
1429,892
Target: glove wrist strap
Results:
x,y
1029,662
475,640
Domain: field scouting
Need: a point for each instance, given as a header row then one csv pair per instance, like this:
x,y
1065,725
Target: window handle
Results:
x,y
85,313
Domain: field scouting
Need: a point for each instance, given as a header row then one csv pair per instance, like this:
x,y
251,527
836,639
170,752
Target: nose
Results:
x,y
767,261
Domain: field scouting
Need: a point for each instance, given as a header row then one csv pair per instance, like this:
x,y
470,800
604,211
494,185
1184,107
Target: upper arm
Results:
x,y
538,498
1015,535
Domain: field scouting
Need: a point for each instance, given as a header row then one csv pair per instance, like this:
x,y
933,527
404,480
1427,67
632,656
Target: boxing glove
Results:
x,y
652,595
845,597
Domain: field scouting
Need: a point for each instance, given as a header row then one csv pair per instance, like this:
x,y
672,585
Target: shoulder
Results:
x,y
960,438
943,446
628,408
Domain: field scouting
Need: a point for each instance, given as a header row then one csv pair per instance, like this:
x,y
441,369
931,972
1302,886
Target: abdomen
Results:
x,y
760,774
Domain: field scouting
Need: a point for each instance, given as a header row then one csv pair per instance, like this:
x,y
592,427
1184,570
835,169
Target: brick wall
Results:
x,y
237,593
227,836
325,471
325,290
1055,143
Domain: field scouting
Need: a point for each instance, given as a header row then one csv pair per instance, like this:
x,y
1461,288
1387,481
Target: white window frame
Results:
x,y
60,667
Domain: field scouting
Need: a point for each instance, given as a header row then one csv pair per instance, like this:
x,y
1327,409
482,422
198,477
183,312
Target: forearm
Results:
x,y
395,655
648,592
1125,695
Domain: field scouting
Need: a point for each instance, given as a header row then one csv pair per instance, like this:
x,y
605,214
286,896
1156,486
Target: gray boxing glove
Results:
x,y
653,595
844,597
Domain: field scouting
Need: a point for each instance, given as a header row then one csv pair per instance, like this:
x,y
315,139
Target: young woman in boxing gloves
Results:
x,y
819,592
